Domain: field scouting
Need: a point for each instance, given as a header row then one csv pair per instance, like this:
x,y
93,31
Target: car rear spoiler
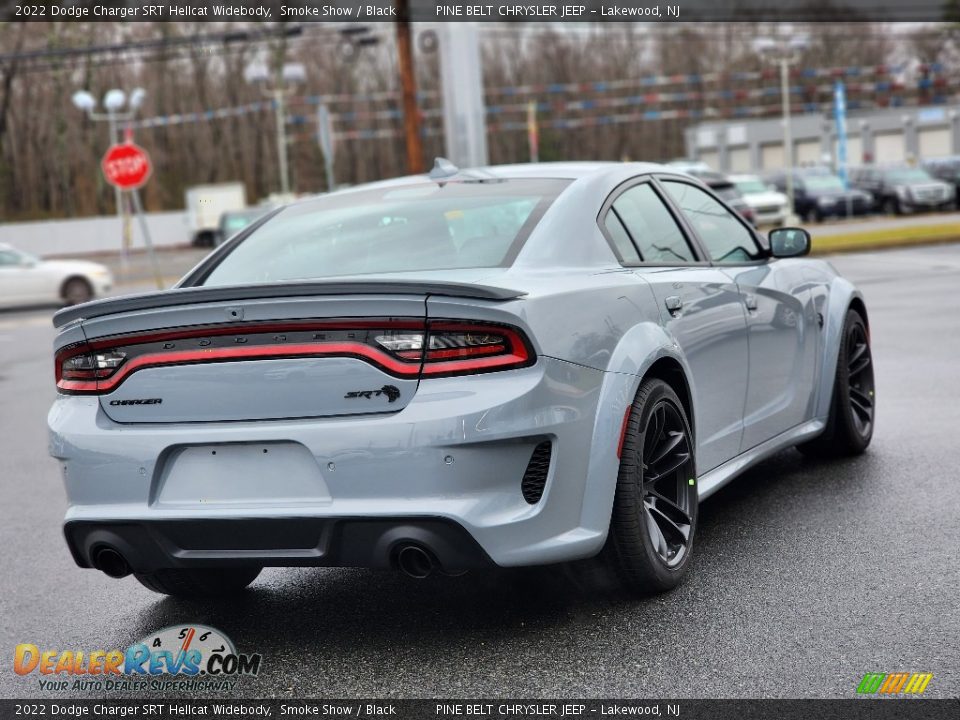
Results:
x,y
193,295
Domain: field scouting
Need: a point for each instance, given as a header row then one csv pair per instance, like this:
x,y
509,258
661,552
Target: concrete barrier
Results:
x,y
88,236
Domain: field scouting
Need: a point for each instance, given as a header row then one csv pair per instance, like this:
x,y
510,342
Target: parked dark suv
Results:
x,y
946,169
903,189
819,194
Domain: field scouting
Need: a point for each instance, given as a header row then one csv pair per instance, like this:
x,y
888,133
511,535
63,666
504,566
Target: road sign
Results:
x,y
126,166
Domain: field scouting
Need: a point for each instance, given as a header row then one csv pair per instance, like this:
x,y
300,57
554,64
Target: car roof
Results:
x,y
559,170
566,170
576,170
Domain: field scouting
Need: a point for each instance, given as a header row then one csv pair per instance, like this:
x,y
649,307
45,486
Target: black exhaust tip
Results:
x,y
415,561
111,563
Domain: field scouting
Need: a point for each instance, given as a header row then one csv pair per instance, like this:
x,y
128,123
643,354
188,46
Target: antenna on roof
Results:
x,y
443,168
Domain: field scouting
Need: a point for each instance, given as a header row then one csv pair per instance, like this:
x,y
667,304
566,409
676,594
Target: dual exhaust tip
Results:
x,y
413,560
110,562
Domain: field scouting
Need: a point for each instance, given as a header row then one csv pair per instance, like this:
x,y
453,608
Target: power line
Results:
x,y
144,50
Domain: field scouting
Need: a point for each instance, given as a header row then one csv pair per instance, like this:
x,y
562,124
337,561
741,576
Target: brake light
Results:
x,y
403,348
461,349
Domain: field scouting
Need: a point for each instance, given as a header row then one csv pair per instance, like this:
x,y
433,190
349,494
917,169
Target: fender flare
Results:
x,y
842,296
639,348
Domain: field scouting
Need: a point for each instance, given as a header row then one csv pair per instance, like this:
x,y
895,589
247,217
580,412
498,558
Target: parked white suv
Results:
x,y
769,206
28,280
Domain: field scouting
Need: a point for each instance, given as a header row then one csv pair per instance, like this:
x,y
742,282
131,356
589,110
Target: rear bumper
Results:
x,y
150,545
329,490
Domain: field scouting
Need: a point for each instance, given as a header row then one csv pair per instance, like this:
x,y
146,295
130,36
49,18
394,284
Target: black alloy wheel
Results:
x,y
853,406
668,487
860,379
654,519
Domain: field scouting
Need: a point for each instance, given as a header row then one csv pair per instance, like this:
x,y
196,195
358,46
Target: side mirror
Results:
x,y
28,262
789,242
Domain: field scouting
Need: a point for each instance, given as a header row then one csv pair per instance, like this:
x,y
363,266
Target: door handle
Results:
x,y
673,303
750,301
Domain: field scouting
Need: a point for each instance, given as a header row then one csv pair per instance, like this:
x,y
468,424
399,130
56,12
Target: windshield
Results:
x,y
905,176
752,186
429,226
823,182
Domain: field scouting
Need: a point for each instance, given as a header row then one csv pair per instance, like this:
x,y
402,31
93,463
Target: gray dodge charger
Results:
x,y
510,366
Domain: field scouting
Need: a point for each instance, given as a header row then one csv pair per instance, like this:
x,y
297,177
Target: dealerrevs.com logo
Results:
x,y
894,683
179,657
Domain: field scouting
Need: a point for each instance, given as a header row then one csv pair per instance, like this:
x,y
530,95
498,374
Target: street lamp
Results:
x,y
784,52
281,85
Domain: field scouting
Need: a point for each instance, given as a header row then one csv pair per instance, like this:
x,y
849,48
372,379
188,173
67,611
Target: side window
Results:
x,y
620,238
652,227
725,237
8,258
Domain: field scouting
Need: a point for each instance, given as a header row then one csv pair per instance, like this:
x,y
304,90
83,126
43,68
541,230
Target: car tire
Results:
x,y
853,404
654,521
891,206
199,582
76,290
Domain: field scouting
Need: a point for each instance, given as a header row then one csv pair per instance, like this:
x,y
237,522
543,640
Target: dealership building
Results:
x,y
880,136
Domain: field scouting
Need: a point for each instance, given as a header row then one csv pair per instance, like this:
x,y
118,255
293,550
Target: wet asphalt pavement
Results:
x,y
806,575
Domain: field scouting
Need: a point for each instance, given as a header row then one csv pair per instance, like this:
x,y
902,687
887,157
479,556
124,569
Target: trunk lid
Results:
x,y
256,352
257,359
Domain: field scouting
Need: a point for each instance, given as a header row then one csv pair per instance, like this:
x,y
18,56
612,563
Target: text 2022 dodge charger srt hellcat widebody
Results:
x,y
513,366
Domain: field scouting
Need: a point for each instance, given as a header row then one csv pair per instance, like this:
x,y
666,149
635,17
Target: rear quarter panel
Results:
x,y
606,321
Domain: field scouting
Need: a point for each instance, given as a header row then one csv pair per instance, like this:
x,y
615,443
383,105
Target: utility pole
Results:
x,y
408,84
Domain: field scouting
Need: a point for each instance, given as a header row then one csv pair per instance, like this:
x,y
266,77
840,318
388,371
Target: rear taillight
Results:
x,y
79,367
463,348
403,348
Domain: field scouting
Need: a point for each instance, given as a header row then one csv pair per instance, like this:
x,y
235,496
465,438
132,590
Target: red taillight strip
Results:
x,y
202,331
272,352
454,353
514,353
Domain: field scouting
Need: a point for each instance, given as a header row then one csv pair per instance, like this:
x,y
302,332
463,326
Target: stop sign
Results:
x,y
126,166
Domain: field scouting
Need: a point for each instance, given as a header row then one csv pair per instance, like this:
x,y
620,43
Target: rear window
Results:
x,y
429,226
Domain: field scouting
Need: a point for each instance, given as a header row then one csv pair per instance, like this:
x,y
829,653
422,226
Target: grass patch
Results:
x,y
886,238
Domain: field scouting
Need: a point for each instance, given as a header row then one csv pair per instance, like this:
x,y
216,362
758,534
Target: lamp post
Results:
x,y
278,87
784,52
113,102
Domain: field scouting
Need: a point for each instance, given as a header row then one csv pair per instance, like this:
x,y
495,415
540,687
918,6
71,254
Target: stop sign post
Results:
x,y
126,166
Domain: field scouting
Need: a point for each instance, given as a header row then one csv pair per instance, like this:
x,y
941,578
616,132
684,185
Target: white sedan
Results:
x,y
28,280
